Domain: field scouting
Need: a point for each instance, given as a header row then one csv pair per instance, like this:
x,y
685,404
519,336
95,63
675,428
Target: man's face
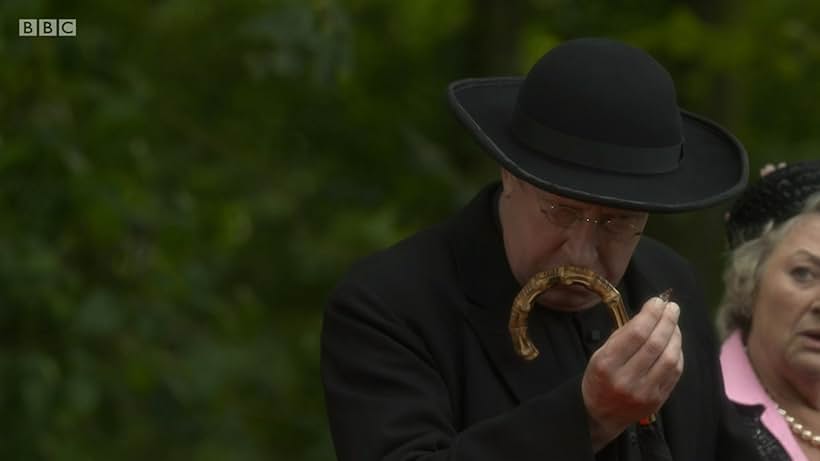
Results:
x,y
540,234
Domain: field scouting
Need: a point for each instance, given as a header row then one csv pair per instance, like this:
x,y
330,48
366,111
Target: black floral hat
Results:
x,y
777,196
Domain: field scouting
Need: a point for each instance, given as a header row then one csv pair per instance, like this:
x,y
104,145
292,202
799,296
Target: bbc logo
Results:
x,y
48,28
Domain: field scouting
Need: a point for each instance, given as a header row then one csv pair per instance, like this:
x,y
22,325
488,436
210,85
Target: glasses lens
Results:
x,y
619,227
562,215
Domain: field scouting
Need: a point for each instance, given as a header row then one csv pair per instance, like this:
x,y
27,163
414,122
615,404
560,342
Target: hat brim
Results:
x,y
714,167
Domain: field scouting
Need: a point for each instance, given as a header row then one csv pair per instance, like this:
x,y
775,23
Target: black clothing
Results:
x,y
767,445
418,363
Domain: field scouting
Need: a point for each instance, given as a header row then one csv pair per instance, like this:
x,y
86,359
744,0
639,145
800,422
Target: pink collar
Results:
x,y
743,387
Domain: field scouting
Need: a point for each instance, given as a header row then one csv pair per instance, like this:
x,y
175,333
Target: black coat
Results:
x,y
418,364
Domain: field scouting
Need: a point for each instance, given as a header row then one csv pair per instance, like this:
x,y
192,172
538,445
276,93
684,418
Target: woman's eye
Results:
x,y
802,274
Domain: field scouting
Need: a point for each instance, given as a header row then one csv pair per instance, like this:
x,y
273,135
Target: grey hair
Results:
x,y
742,275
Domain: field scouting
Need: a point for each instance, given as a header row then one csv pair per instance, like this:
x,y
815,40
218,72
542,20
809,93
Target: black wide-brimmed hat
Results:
x,y
775,198
598,120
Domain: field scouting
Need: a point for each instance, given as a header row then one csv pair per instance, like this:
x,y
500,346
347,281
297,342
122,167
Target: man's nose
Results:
x,y
581,244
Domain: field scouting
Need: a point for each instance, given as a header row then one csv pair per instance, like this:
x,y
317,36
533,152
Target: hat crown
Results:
x,y
605,91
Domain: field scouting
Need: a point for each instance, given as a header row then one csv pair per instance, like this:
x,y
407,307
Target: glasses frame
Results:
x,y
578,215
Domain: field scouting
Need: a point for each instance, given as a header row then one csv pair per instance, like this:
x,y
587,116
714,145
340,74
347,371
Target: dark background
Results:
x,y
182,183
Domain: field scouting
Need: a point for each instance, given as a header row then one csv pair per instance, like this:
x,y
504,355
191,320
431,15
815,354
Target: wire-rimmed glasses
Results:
x,y
620,228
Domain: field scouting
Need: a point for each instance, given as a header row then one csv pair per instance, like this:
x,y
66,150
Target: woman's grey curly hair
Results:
x,y
745,266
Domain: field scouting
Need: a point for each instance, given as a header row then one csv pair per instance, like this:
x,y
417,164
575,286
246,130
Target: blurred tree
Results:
x,y
183,182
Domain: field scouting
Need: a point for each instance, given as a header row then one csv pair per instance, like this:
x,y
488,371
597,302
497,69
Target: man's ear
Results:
x,y
508,180
511,183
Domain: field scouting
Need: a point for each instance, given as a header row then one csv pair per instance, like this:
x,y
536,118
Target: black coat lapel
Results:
x,y
485,277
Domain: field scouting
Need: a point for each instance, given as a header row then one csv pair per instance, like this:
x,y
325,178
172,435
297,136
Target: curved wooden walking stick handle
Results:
x,y
542,281
565,275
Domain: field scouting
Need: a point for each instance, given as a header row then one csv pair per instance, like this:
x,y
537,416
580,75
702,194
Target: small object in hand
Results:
x,y
665,297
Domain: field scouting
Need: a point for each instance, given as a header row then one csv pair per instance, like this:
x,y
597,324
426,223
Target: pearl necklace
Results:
x,y
798,428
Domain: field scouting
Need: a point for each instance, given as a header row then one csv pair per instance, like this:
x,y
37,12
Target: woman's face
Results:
x,y
785,330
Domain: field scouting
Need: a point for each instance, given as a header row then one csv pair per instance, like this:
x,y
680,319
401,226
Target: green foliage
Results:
x,y
182,183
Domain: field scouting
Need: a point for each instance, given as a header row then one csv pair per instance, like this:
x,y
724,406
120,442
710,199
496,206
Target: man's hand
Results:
x,y
634,372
